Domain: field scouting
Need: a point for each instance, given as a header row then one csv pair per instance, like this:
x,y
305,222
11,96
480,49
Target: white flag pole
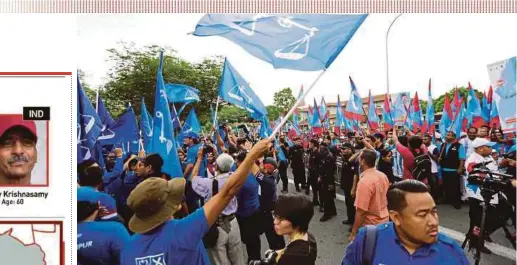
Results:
x,y
216,109
286,117
97,100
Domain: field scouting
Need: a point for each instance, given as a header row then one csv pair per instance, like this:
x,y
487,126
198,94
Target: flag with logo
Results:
x,y
373,119
124,130
306,42
181,93
387,115
235,90
503,77
474,112
416,112
446,119
354,106
429,115
89,126
163,132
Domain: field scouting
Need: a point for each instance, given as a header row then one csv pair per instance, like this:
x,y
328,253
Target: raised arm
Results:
x,y
215,206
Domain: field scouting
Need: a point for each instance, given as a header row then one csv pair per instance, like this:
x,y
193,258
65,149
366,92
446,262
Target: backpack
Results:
x,y
210,238
370,240
422,169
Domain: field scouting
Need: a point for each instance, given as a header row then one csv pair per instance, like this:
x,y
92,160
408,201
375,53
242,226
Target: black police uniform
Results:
x,y
296,158
347,181
327,171
314,160
282,167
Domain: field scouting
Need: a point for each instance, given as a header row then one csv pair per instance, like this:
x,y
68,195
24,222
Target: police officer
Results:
x,y
347,181
314,160
296,157
327,172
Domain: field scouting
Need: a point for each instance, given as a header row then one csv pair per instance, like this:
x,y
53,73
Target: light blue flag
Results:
x,y
265,129
146,126
306,42
163,132
124,130
191,124
103,113
89,126
181,93
234,89
280,152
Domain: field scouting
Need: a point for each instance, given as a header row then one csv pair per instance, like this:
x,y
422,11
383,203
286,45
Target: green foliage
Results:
x,y
232,114
284,99
133,76
462,91
273,112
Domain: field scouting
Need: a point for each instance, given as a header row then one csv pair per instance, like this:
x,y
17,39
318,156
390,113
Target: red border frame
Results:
x,y
35,73
46,162
61,237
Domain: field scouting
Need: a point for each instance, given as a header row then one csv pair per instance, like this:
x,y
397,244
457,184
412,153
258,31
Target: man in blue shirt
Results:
x,y
98,243
412,237
161,239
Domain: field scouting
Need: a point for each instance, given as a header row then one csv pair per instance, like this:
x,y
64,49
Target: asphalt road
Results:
x,y
332,235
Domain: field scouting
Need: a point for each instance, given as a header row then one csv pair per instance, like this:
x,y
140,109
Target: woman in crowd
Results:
x,y
292,214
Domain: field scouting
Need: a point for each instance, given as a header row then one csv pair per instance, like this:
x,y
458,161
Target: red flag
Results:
x,y
447,106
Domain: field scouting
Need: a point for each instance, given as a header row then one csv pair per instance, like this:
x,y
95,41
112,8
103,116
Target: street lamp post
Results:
x,y
387,62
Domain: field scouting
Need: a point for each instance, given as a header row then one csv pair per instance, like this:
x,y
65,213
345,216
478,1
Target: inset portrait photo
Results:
x,y
23,151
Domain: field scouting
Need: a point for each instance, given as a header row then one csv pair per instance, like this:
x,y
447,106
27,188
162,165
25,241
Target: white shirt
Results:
x,y
434,166
474,191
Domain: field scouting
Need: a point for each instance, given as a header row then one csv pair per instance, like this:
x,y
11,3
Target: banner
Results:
x,y
503,75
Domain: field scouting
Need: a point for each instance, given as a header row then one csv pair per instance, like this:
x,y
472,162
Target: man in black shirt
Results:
x,y
314,160
327,171
297,165
283,164
347,181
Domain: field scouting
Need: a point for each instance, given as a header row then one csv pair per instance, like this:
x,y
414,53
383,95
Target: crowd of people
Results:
x,y
130,212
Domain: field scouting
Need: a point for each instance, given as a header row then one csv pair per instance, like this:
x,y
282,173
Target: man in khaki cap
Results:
x,y
159,238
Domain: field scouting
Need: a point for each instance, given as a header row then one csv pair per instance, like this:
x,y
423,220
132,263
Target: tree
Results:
x,y
232,114
463,92
273,112
284,99
133,76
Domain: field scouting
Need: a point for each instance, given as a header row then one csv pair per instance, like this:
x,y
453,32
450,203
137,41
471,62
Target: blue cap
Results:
x,y
192,135
87,194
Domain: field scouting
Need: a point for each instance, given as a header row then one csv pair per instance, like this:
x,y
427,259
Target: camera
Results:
x,y
485,179
270,258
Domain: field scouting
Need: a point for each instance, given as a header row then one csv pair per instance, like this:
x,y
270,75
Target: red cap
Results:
x,y
11,120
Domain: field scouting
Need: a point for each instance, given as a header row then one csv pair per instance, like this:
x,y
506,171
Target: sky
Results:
x,y
451,49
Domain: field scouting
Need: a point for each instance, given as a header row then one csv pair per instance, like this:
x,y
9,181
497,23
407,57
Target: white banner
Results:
x,y
503,75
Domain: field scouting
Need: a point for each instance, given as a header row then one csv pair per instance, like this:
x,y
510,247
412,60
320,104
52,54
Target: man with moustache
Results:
x,y
18,153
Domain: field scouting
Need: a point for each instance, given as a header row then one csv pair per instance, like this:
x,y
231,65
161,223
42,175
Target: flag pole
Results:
x,y
286,117
216,109
97,100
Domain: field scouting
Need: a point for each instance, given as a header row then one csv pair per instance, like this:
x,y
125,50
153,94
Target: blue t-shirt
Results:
x,y
176,242
389,250
248,198
100,242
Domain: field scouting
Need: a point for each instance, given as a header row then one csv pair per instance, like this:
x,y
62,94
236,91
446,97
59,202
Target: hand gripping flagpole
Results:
x,y
286,117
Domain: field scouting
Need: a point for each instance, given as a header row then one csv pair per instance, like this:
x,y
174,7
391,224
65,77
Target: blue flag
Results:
x,y
265,129
234,89
181,93
175,118
103,113
306,42
124,130
146,125
191,124
503,76
163,132
89,126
